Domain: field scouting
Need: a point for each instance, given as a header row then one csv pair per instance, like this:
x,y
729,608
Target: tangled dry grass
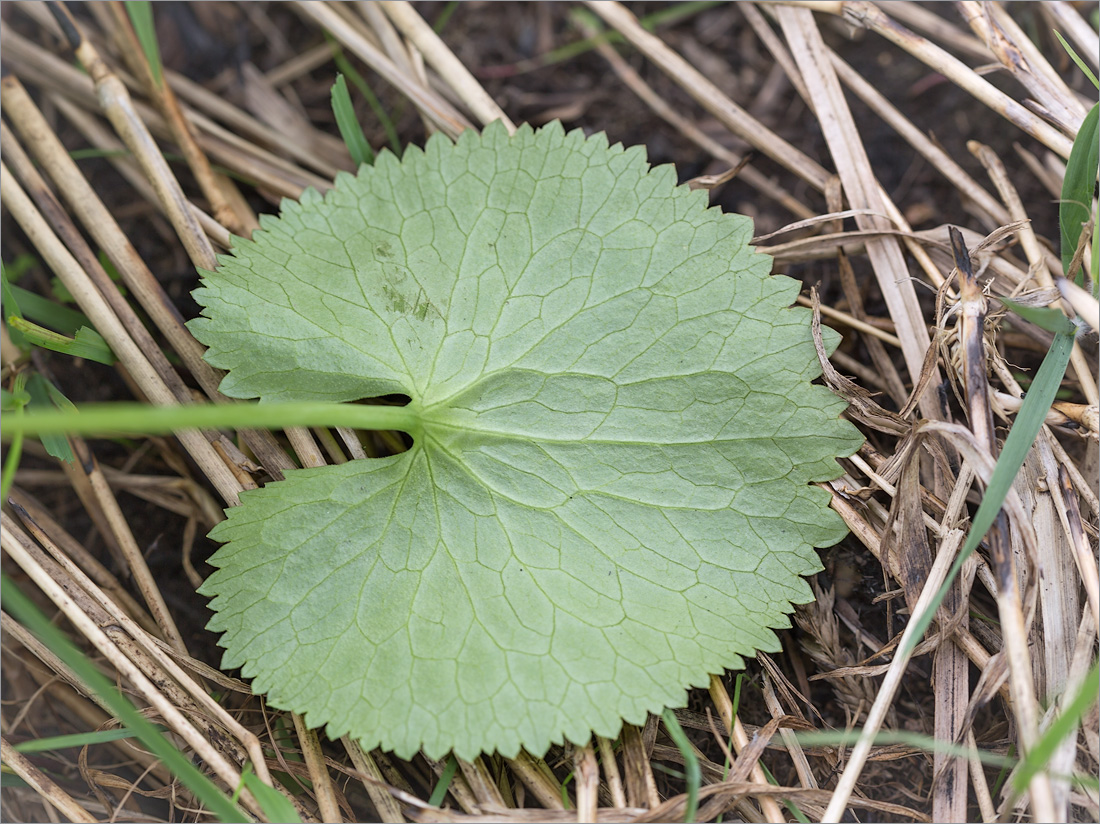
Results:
x,y
854,132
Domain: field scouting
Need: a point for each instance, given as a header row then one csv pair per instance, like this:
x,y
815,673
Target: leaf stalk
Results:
x,y
122,418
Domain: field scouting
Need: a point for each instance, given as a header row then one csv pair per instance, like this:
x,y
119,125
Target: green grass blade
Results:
x,y
350,129
276,806
11,463
444,782
45,395
24,610
12,311
79,739
22,264
444,16
363,87
916,740
691,763
18,398
1050,319
1040,755
1029,420
141,18
790,805
1077,189
36,308
87,344
1077,59
650,22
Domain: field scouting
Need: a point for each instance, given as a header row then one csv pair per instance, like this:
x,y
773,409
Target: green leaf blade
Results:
x,y
1078,188
607,498
358,146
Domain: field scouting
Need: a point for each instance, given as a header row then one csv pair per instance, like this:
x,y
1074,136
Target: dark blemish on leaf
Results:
x,y
404,301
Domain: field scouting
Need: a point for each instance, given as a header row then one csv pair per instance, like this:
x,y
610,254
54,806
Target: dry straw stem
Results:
x,y
22,551
101,138
860,187
44,785
441,113
283,154
972,310
89,209
119,108
99,222
104,228
1038,267
867,15
734,728
388,809
923,19
319,775
149,646
99,498
486,793
215,187
1022,58
798,755
587,777
1065,18
710,97
85,560
766,186
846,784
93,305
1082,302
443,60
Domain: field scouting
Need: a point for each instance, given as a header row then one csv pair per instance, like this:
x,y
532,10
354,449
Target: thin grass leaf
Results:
x,y
1064,724
357,143
1050,319
1077,190
444,782
11,311
1029,420
19,398
790,805
141,18
651,22
276,806
25,611
79,739
42,311
691,763
44,395
348,70
1076,59
831,738
87,344
566,801
23,263
1002,775
444,16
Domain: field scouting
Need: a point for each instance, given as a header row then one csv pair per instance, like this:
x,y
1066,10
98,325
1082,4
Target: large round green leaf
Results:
x,y
607,496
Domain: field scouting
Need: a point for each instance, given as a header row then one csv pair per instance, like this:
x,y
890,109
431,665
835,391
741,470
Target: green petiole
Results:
x,y
122,418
